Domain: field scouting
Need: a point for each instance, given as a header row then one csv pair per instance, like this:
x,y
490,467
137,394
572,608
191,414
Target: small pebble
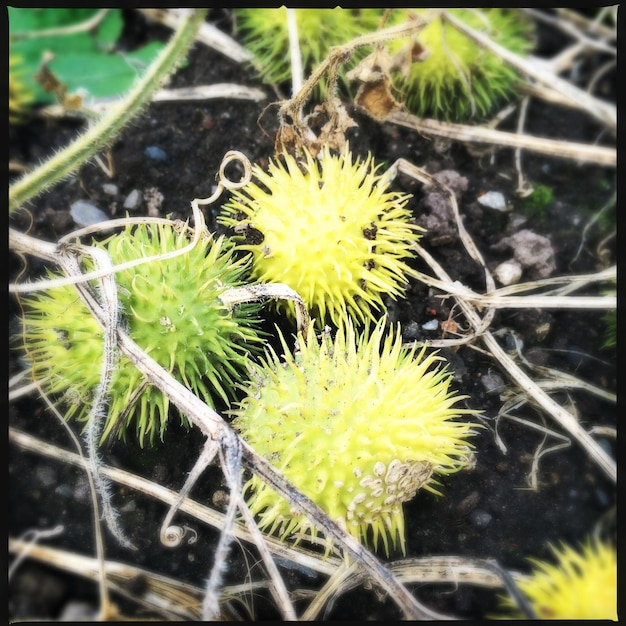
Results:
x,y
110,189
508,272
493,383
85,214
431,325
480,518
129,507
45,476
411,331
132,200
155,153
493,200
64,491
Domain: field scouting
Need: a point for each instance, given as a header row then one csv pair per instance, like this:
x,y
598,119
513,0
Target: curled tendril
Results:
x,y
235,155
226,183
173,536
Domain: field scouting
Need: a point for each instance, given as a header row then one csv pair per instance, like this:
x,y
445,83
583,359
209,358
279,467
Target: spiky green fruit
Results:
x,y
265,34
171,308
581,584
332,230
459,79
359,424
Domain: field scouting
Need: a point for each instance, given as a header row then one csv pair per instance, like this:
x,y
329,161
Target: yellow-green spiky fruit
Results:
x,y
332,230
265,34
20,97
459,79
582,584
171,308
359,424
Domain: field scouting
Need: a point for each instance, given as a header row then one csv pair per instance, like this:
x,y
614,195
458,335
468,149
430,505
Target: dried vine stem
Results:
x,y
520,378
548,86
482,135
435,569
501,298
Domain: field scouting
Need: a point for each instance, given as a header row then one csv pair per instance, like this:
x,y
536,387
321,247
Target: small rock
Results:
x,y
45,476
64,491
61,221
431,325
154,199
480,518
508,272
532,251
110,189
493,383
411,331
129,507
155,153
85,214
439,220
493,200
453,180
132,200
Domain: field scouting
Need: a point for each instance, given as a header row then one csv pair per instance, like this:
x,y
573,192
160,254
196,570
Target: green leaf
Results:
x,y
102,76
81,60
29,20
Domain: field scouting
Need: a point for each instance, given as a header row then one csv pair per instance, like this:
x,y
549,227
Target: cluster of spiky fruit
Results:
x,y
331,229
458,79
580,585
359,424
172,309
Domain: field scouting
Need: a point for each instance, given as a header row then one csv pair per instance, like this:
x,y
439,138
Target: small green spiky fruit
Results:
x,y
459,79
171,308
265,34
358,424
582,584
332,230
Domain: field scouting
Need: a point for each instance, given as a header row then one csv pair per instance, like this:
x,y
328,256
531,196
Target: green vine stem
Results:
x,y
102,132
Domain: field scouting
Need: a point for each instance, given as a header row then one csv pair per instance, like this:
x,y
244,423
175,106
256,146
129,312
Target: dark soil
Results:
x,y
488,512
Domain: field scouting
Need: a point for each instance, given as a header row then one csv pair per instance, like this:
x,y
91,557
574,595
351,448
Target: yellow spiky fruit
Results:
x,y
359,424
331,229
20,96
581,584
